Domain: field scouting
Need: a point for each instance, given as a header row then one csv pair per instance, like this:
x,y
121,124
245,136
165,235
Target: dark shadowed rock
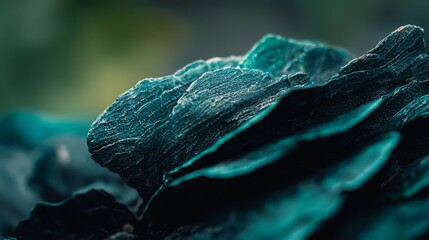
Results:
x,y
289,141
161,123
92,215
395,72
394,203
45,158
270,161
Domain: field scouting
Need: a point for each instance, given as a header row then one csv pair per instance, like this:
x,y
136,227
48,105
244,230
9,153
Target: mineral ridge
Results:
x,y
292,140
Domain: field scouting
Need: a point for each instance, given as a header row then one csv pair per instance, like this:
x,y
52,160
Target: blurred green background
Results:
x,y
77,56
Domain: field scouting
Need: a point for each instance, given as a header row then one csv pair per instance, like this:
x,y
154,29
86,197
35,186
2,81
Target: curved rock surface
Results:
x,y
161,123
290,141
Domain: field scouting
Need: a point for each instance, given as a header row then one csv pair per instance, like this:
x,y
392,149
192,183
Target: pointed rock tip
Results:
x,y
409,28
407,33
410,31
405,38
268,38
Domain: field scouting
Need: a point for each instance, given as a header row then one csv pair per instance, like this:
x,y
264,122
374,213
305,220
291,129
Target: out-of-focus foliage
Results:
x,y
74,56
45,159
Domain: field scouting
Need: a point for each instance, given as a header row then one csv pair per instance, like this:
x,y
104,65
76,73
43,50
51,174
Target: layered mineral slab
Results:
x,y
162,123
292,140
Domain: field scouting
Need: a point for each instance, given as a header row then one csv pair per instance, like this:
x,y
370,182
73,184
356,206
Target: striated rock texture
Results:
x,y
286,173
294,140
161,123
281,56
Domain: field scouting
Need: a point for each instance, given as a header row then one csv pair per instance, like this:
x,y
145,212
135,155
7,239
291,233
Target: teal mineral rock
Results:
x,y
292,140
92,215
281,56
161,123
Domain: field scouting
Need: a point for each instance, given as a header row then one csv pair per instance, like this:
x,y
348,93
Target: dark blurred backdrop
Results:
x,y
77,56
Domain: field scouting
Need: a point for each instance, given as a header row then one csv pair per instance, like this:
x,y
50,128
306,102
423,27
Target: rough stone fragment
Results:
x,y
160,123
408,176
213,187
207,181
275,196
250,160
396,71
395,198
276,145
93,215
375,217
116,139
281,56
